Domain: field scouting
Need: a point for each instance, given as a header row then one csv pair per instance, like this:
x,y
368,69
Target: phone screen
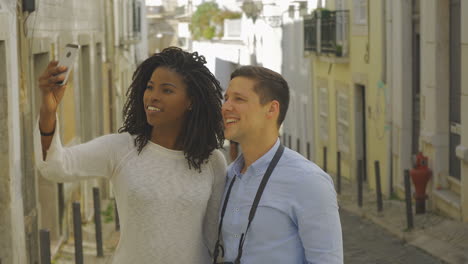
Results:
x,y
67,59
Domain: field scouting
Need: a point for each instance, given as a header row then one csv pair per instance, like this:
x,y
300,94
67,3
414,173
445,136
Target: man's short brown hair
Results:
x,y
269,86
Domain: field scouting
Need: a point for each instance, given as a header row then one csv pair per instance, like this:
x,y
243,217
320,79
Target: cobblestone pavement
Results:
x,y
365,242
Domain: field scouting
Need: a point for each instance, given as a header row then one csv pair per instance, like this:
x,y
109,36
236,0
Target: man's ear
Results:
x,y
273,110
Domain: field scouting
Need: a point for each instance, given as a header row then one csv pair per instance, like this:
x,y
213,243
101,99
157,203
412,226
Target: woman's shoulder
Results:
x,y
120,139
217,157
117,142
217,162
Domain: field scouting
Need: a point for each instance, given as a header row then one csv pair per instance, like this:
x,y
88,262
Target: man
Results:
x,y
297,219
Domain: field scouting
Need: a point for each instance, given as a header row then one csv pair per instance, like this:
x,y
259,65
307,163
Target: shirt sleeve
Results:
x,y
210,228
93,159
318,219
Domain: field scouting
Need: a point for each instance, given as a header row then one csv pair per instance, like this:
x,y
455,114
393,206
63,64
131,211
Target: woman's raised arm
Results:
x,y
51,95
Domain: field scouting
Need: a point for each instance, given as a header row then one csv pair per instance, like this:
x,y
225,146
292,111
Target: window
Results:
x,y
136,17
342,119
360,12
323,113
340,4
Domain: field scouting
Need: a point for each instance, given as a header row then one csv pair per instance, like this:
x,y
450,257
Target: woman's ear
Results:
x,y
190,106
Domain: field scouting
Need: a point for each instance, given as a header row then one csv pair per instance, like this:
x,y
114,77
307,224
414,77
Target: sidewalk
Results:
x,y
439,236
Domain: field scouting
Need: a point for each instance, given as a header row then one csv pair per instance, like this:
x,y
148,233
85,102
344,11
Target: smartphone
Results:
x,y
67,59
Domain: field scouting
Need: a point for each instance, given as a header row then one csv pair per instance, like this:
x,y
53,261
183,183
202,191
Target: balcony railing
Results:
x,y
310,33
327,32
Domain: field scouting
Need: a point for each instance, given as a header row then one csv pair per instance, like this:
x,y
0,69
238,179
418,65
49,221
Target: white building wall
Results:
x,y
297,70
47,30
464,111
12,236
235,53
400,83
445,194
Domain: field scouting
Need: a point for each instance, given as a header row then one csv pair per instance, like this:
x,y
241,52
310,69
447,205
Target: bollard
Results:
x,y
44,238
325,159
97,221
117,220
61,205
338,173
378,187
298,144
308,150
359,179
409,209
364,170
77,233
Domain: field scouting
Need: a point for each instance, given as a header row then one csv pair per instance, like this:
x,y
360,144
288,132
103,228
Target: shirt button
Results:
x,y
237,209
236,236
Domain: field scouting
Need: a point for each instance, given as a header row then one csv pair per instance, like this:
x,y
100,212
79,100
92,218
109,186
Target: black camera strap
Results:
x,y
253,210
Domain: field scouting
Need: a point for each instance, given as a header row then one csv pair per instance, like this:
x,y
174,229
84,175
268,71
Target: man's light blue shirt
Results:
x,y
297,220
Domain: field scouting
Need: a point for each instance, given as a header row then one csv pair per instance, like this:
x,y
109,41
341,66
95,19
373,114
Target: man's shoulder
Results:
x,y
295,162
298,170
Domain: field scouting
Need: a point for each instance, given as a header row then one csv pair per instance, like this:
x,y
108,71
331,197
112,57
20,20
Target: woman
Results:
x,y
167,173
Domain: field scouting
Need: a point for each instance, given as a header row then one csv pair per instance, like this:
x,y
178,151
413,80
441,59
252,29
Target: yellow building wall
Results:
x,y
365,68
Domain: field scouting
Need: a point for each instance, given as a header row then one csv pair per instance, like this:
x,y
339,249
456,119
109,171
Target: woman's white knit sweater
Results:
x,y
168,212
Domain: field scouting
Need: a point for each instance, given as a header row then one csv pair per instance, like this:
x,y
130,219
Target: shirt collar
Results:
x,y
258,167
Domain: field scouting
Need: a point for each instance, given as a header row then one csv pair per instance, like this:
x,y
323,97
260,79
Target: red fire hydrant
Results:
x,y
420,175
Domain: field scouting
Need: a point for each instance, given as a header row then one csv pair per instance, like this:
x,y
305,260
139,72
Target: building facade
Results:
x,y
344,41
388,85
427,60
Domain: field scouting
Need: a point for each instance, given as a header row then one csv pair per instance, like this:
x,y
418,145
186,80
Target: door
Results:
x,y
416,69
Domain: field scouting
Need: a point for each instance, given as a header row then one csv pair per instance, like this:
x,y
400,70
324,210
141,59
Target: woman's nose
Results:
x,y
155,95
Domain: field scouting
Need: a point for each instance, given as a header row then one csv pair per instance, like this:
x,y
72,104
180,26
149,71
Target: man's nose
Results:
x,y
226,106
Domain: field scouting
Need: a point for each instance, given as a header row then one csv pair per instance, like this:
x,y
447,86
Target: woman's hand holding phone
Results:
x,y
54,79
51,89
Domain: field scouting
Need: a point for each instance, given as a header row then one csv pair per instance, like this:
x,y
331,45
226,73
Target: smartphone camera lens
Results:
x,y
68,54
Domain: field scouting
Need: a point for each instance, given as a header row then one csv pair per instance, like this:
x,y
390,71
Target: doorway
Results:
x,y
455,88
416,72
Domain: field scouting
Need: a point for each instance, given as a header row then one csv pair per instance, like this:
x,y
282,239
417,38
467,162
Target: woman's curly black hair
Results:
x,y
202,131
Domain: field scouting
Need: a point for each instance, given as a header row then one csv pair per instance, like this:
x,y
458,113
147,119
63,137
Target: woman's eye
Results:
x,y
149,87
167,91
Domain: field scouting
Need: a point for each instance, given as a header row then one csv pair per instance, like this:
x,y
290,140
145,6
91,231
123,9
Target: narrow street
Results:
x,y
364,242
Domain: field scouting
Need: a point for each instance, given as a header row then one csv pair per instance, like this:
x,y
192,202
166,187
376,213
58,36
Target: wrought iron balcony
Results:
x,y
310,33
327,32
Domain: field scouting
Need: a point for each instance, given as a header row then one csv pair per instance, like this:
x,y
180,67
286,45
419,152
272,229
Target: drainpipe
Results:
x,y
319,28
386,29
